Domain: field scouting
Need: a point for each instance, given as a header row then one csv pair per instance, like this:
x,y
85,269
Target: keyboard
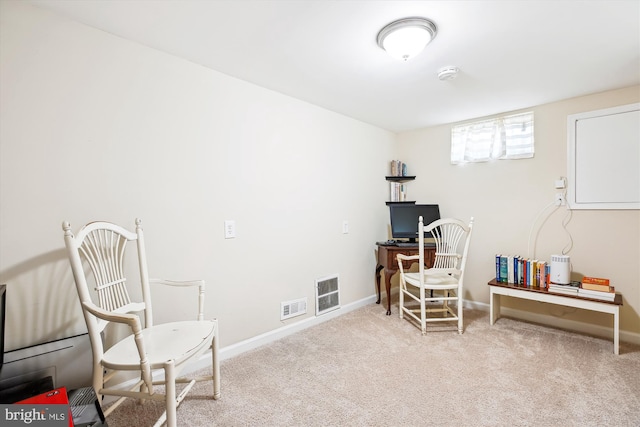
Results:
x,y
406,245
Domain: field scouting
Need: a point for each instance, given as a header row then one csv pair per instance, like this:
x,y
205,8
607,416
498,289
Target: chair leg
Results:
x,y
460,322
98,381
215,360
423,312
170,397
400,302
143,389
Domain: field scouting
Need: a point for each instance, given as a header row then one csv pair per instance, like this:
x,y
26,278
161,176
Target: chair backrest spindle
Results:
x,y
105,250
448,235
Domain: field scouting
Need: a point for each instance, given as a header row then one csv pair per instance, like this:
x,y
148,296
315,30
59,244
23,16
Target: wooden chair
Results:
x,y
444,281
99,248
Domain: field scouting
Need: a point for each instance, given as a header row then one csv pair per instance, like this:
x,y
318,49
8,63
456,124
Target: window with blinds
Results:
x,y
505,137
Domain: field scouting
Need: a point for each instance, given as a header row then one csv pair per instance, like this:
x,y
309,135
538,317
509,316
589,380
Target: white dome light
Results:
x,y
405,38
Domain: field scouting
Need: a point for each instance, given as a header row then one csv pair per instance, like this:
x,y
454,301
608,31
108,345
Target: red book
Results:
x,y
53,397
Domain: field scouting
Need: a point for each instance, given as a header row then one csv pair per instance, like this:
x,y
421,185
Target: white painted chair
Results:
x,y
434,288
99,248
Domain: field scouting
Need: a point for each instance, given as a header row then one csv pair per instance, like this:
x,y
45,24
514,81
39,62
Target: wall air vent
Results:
x,y
327,294
289,309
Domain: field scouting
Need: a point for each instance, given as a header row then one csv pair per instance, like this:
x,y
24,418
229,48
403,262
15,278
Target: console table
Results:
x,y
387,260
541,294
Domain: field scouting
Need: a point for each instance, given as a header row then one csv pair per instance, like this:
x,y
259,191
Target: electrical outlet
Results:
x,y
560,201
229,229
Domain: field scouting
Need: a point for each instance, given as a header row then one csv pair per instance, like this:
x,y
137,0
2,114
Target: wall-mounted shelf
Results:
x,y
410,202
399,178
396,180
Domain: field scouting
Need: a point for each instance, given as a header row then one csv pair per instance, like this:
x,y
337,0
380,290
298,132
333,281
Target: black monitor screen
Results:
x,y
404,219
3,306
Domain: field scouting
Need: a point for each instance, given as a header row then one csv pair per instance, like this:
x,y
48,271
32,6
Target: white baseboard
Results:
x,y
556,322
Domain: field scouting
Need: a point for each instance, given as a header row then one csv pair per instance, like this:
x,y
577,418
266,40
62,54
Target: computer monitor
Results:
x,y
3,307
404,219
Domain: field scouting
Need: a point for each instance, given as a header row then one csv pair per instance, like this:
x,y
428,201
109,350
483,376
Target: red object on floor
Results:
x,y
53,397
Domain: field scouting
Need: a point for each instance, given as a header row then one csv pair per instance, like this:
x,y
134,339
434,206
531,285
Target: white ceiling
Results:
x,y
511,54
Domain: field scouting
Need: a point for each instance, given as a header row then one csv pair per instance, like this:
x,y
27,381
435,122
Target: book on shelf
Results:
x,y
522,267
542,274
533,266
504,269
571,287
595,284
397,192
592,287
398,168
510,270
558,288
595,281
606,296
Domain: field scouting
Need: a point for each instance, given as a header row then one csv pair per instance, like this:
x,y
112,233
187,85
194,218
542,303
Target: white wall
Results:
x,y
94,127
509,198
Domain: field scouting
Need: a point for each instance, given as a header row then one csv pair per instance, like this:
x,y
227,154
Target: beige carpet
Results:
x,y
368,369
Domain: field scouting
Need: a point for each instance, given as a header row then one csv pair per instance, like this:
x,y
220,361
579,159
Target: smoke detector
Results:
x,y
448,73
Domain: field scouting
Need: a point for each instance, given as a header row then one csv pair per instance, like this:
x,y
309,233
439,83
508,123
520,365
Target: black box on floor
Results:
x,y
85,408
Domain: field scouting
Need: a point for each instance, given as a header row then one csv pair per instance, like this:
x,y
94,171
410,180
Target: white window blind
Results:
x,y
506,137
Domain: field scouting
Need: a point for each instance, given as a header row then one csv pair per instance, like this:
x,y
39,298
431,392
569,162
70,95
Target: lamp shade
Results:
x,y
405,38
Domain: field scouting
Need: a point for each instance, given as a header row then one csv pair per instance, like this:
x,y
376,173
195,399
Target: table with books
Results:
x,y
569,298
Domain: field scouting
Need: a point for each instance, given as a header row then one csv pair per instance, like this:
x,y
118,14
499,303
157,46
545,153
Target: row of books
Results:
x,y
522,271
537,274
398,168
398,192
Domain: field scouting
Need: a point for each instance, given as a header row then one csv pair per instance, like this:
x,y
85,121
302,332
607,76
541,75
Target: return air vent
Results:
x,y
293,308
327,294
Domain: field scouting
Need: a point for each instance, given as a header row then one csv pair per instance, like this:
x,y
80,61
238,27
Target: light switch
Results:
x,y
345,227
229,229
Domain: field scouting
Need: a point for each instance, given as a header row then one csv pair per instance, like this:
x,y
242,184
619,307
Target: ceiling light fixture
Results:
x,y
405,38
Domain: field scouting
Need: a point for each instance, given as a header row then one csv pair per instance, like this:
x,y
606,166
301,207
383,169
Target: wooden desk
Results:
x,y
539,294
387,260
